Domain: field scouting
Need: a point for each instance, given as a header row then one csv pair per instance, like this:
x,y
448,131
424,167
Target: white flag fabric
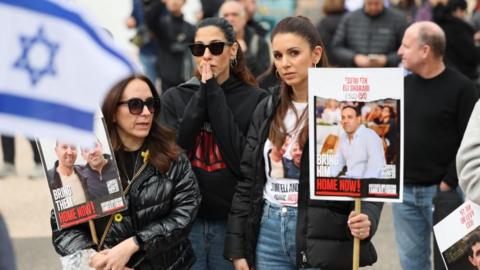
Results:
x,y
56,65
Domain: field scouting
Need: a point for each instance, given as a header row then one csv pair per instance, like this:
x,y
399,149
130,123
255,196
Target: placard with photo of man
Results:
x,y
356,129
83,179
458,237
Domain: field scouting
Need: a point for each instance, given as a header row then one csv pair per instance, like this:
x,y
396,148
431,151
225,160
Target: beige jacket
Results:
x,y
468,158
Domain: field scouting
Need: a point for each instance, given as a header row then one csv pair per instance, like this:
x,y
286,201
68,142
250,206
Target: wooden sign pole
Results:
x,y
93,231
356,241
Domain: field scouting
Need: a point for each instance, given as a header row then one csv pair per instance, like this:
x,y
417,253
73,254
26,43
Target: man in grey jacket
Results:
x,y
369,37
468,158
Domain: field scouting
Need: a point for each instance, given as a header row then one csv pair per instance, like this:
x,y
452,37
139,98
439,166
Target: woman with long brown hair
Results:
x,y
159,185
273,224
211,114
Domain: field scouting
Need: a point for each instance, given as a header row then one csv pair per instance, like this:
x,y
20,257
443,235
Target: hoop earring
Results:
x,y
233,62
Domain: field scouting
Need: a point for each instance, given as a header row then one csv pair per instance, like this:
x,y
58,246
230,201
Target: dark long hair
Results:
x,y
238,69
302,27
160,141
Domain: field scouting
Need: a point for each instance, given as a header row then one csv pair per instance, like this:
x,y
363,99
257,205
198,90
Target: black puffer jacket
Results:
x,y
161,209
323,238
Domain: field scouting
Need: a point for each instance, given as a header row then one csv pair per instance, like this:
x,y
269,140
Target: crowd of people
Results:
x,y
216,171
355,34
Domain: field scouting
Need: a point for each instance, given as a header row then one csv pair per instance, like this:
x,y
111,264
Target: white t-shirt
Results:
x,y
282,166
78,194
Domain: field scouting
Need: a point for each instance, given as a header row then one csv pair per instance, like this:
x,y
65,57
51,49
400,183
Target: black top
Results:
x,y
437,111
460,52
173,36
210,7
258,27
211,122
257,55
126,166
327,27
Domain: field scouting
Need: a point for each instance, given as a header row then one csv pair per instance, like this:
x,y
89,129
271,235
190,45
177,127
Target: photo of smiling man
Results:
x,y
100,172
65,176
361,149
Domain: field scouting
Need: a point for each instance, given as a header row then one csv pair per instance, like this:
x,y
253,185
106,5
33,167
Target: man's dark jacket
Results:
x,y
257,55
460,52
96,182
359,33
173,35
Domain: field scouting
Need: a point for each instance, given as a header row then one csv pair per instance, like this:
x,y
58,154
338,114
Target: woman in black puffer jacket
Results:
x,y
163,195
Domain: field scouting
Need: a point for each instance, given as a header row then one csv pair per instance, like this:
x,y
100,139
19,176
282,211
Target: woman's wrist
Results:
x,y
133,244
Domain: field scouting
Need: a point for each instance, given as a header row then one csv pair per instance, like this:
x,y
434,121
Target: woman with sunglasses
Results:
x,y
211,113
160,188
273,224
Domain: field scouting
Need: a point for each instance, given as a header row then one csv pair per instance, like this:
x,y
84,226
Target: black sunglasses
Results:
x,y
135,105
215,48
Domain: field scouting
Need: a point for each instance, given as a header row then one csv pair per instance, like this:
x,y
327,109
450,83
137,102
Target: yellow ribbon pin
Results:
x,y
145,155
118,217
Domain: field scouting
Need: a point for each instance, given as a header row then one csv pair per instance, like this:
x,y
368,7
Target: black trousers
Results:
x,y
8,147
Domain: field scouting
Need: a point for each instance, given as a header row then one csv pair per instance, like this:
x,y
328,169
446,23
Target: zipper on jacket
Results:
x,y
302,219
304,258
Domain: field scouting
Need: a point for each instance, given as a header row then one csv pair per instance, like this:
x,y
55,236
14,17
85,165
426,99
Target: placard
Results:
x,y
83,180
356,115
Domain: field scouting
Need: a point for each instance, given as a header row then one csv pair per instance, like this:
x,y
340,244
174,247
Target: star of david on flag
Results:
x,y
56,66
28,45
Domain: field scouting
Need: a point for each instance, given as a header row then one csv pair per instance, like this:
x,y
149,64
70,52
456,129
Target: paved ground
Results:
x,y
25,204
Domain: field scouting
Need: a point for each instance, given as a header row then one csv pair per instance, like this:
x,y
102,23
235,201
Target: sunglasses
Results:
x,y
215,48
135,105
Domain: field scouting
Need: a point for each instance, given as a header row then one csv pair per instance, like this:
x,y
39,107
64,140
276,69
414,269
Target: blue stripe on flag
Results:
x,y
52,9
45,111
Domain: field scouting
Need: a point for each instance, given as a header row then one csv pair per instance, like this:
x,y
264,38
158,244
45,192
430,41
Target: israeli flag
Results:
x,y
56,65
